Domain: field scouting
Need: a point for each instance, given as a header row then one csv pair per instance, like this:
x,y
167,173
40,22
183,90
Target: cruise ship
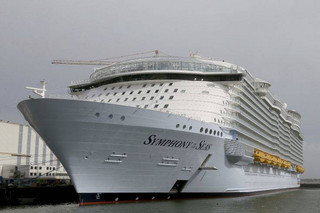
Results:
x,y
165,127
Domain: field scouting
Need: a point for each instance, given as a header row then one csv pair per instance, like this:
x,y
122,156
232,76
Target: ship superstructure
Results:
x,y
164,127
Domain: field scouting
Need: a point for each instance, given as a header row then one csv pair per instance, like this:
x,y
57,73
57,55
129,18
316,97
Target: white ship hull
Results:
x,y
114,153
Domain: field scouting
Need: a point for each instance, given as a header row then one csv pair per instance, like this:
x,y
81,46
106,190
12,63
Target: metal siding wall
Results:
x,y
44,153
20,144
36,153
28,145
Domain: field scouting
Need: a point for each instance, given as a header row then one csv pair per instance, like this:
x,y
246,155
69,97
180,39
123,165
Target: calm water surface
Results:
x,y
300,201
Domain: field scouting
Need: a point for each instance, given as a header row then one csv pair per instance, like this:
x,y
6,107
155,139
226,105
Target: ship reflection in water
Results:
x,y
298,200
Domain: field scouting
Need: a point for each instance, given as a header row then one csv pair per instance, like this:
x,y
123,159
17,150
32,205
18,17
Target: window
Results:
x,y
166,90
40,168
35,167
214,132
161,97
218,133
143,98
31,167
152,97
190,127
144,85
210,132
137,106
145,106
102,100
139,92
184,126
156,91
123,93
171,97
105,88
93,95
221,134
177,126
175,90
118,99
170,84
125,99
183,91
161,84
120,87
206,131
131,92
31,173
152,85
107,94
86,97
156,106
133,99
128,86
166,106
201,129
109,100
148,91
112,88
205,92
114,94
99,95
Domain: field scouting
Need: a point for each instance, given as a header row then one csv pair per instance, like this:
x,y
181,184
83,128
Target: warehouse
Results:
x,y
24,155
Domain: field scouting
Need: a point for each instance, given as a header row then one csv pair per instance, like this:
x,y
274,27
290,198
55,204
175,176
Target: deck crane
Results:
x,y
101,61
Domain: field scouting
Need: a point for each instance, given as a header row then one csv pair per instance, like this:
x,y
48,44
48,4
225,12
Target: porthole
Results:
x,y
171,97
139,92
152,97
175,90
125,99
122,117
144,85
128,86
152,85
148,91
114,93
107,94
166,106
123,93
201,129
110,116
133,99
131,92
105,88
166,90
161,84
118,99
120,87
218,133
156,106
206,131
156,91
99,94
190,127
184,126
145,106
177,126
93,95
210,132
143,98
112,88
221,134
109,100
161,97
170,84
214,132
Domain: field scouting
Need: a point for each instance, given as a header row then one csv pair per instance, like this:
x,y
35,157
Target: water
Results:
x,y
300,200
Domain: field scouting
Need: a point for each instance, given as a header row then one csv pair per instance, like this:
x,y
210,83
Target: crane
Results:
x,y
102,61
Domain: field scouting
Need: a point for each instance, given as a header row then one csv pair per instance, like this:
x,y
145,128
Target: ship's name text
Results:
x,y
154,141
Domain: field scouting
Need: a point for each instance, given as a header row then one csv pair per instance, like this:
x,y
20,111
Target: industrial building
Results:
x,y
24,155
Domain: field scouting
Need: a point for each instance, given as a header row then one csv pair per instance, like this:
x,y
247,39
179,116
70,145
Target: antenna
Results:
x,y
39,91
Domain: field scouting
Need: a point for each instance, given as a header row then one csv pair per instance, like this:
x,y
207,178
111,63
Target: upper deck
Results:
x,y
161,64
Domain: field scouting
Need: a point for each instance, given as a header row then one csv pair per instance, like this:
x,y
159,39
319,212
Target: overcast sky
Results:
x,y
278,41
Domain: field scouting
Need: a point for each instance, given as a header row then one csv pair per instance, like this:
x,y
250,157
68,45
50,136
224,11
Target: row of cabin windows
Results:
x,y
40,167
155,106
144,85
214,132
135,98
35,174
184,126
139,92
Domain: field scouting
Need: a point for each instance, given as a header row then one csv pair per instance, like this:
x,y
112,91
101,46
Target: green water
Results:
x,y
300,201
